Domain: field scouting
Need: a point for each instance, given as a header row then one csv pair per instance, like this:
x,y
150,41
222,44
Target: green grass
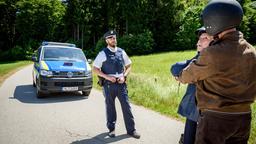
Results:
x,y
252,139
151,85
8,68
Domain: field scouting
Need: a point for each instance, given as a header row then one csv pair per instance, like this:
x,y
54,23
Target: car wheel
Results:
x,y
86,93
34,84
39,94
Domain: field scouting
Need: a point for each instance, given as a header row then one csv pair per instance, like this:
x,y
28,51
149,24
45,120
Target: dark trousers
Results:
x,y
111,91
223,128
190,132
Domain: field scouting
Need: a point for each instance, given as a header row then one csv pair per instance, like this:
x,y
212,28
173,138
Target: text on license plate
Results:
x,y
69,88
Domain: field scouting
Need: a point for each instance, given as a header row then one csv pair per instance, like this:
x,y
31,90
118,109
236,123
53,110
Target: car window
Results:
x,y
67,54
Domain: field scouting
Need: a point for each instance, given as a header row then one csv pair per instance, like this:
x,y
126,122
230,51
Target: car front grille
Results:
x,y
68,84
65,74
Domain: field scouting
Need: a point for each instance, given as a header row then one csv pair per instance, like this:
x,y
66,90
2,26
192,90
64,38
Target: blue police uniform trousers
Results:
x,y
111,91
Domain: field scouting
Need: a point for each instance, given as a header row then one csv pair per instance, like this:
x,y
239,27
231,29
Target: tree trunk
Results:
x,y
74,32
127,26
82,40
78,30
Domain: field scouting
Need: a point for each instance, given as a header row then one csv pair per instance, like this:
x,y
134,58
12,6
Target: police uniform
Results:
x,y
112,62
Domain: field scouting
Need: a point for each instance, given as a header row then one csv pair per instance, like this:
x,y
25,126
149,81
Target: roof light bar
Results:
x,y
58,43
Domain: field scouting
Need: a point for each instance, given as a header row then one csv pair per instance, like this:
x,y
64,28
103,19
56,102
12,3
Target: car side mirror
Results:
x,y
89,61
34,58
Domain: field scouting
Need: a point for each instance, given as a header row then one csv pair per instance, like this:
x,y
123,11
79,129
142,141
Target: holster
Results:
x,y
101,81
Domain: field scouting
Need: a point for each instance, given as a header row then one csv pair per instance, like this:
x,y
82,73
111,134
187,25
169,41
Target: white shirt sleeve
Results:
x,y
101,57
127,60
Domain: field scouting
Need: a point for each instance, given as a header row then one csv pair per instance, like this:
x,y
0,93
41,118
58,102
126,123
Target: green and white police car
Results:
x,y
61,67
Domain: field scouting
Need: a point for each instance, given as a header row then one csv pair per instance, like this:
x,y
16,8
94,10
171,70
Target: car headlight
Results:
x,y
46,73
88,73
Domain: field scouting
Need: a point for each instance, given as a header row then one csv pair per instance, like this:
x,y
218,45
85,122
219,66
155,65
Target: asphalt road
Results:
x,y
72,119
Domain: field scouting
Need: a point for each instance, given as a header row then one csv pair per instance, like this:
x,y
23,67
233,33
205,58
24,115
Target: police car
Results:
x,y
61,67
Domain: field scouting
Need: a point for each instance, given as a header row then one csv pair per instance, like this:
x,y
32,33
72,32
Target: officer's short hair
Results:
x,y
109,33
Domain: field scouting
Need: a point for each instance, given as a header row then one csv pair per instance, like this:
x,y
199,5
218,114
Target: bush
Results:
x,y
186,38
18,53
4,55
133,44
90,54
100,45
248,25
137,44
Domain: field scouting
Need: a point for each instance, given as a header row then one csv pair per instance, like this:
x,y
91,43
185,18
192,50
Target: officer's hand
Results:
x,y
112,79
121,80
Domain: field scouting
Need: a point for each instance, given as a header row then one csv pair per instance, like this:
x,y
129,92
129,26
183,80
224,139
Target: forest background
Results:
x,y
143,26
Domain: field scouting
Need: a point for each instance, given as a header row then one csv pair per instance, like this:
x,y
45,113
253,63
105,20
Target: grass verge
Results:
x,y
9,68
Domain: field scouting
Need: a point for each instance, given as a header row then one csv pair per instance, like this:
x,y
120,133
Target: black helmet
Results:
x,y
200,31
220,15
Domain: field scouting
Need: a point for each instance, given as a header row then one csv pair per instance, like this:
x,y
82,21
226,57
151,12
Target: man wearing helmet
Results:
x,y
224,74
187,106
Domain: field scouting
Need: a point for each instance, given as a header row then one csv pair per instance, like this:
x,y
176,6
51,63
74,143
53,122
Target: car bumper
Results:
x,y
46,84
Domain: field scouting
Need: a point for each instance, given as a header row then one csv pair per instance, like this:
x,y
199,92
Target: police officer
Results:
x,y
224,74
113,65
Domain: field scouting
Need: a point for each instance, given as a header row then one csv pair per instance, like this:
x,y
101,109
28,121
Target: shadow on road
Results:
x,y
101,139
27,94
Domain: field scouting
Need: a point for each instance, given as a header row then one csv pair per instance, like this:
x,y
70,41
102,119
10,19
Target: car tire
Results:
x,y
34,84
39,94
86,93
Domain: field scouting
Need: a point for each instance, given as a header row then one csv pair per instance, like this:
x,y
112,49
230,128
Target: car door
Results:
x,y
36,68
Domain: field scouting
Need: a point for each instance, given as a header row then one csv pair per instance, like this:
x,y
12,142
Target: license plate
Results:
x,y
70,88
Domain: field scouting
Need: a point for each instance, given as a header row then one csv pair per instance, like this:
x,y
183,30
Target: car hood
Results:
x,y
65,65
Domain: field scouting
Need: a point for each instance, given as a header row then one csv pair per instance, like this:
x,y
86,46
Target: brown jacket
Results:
x,y
225,75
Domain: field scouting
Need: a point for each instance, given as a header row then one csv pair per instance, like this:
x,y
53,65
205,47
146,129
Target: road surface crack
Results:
x,y
73,134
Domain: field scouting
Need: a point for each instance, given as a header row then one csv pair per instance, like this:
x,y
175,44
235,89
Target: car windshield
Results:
x,y
66,54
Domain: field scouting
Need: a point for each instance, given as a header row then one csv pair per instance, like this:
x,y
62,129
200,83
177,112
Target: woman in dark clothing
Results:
x,y
187,107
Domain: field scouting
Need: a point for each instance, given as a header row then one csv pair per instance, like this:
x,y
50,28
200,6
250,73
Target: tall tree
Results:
x,y
39,19
190,21
7,24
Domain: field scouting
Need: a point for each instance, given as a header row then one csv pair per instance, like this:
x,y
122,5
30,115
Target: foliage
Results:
x,y
86,21
171,24
17,53
4,55
248,26
186,38
133,44
99,46
7,24
38,20
137,44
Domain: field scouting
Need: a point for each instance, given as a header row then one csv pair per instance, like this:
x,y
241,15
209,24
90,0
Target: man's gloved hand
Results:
x,y
177,68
